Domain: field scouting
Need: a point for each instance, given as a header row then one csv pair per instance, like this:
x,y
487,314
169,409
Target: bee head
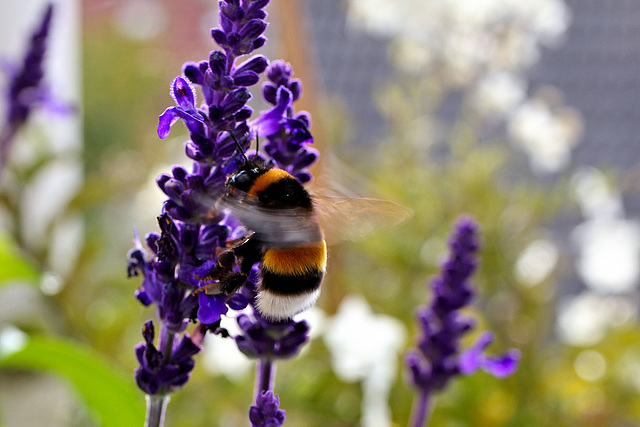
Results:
x,y
245,176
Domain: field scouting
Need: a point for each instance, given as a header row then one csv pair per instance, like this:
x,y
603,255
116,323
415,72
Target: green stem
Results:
x,y
156,408
6,138
265,376
166,343
421,411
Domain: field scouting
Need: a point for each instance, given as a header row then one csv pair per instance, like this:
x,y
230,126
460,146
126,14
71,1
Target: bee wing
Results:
x,y
279,227
347,218
341,212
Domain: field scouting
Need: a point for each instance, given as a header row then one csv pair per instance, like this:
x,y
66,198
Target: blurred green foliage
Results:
x,y
15,267
107,391
440,170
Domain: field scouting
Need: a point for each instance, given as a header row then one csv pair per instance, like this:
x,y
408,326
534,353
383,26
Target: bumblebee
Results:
x,y
285,235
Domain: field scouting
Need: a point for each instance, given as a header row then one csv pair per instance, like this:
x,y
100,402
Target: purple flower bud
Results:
x,y
246,78
154,376
173,188
269,91
296,89
192,71
218,63
280,72
258,5
243,114
253,29
266,412
274,340
235,100
259,42
225,22
237,302
219,36
257,64
306,159
303,176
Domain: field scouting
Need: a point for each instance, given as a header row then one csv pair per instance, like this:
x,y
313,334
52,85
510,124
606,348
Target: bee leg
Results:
x,y
226,260
249,252
239,241
233,282
210,289
226,281
228,285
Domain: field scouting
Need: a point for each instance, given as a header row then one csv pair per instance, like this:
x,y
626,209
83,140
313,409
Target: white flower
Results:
x,y
585,319
364,346
595,196
497,33
608,261
608,244
536,262
546,133
499,93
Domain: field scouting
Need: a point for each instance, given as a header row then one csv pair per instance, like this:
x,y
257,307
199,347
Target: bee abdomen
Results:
x,y
291,279
297,260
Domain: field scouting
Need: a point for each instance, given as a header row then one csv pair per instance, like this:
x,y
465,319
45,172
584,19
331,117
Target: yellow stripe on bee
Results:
x,y
266,179
296,261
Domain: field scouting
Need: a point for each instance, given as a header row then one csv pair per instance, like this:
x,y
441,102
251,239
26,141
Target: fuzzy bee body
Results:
x,y
286,235
290,279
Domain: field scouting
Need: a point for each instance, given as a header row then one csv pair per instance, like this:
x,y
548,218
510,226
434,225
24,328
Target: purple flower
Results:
x,y
265,412
211,308
182,259
25,89
192,231
182,256
438,358
287,133
262,339
499,366
185,96
160,372
25,86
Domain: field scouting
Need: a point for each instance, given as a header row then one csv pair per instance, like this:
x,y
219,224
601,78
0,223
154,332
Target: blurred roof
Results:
x,y
351,63
598,70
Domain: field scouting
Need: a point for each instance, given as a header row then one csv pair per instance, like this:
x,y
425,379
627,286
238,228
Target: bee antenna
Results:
x,y
246,160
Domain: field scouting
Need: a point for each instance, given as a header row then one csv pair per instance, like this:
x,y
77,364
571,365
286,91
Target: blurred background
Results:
x,y
522,114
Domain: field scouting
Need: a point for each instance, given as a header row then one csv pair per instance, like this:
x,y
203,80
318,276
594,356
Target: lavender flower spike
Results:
x,y
25,89
211,101
438,358
191,233
265,412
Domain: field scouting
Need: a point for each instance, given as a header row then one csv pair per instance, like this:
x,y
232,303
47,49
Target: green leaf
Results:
x,y
13,266
108,392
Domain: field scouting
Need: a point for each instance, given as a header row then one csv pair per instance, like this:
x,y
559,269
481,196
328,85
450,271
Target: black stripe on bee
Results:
x,y
281,284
